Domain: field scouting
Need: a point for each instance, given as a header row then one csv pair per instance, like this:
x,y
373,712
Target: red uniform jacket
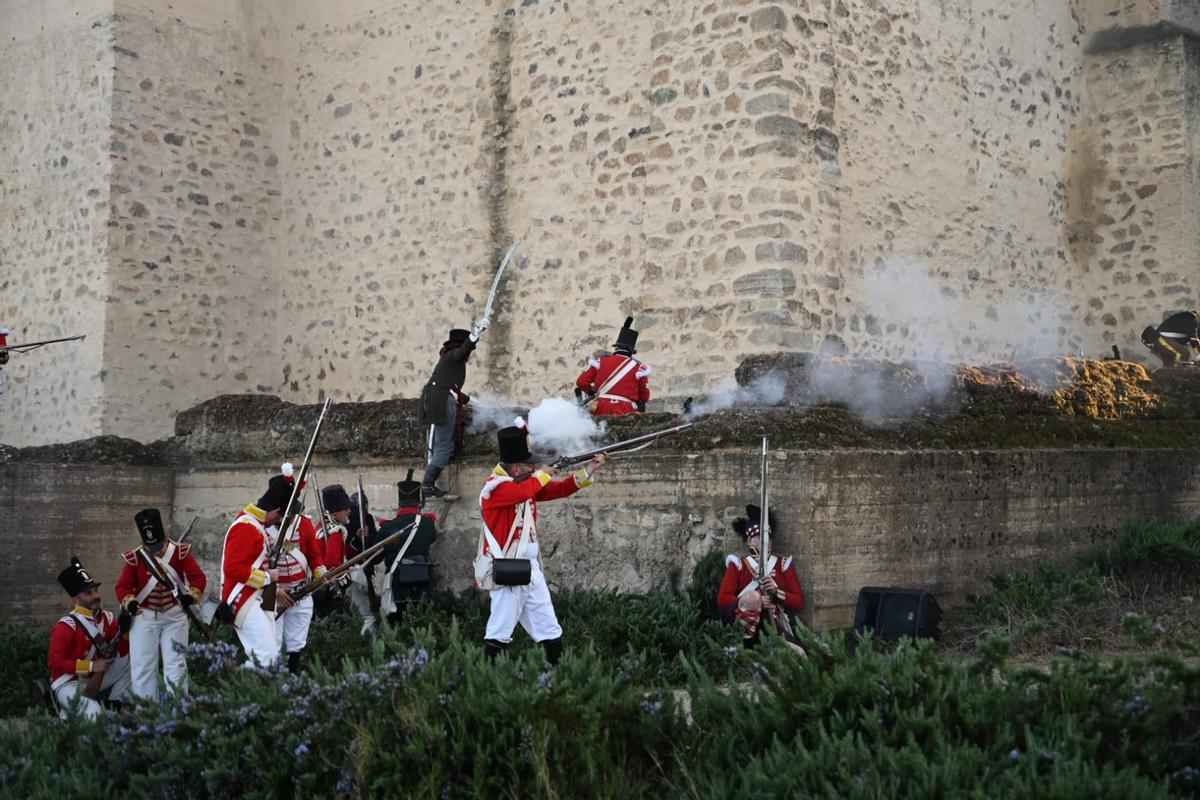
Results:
x,y
740,571
71,651
3,343
332,537
243,562
135,576
303,553
502,496
623,396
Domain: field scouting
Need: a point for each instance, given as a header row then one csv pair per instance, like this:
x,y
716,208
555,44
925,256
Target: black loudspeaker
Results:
x,y
890,613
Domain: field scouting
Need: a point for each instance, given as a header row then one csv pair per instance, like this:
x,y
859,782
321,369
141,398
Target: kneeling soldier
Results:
x,y
741,596
89,653
158,627
508,504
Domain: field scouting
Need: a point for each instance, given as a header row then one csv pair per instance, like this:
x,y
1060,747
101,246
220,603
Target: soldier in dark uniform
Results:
x,y
406,561
1175,340
442,401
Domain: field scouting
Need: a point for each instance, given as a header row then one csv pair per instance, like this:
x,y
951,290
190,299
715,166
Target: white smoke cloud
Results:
x,y
491,412
765,390
561,427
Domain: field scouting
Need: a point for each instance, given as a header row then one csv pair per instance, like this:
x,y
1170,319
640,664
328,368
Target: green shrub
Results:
x,y
25,655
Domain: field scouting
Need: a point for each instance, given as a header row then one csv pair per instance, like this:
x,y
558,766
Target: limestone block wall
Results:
x,y
49,512
945,521
194,246
56,84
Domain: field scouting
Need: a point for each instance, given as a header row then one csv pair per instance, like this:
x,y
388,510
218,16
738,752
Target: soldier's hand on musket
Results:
x,y
100,665
549,470
596,463
283,600
769,586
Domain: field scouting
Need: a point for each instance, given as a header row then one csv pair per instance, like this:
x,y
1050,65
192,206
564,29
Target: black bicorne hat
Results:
x,y
150,527
626,337
514,445
748,525
75,579
334,498
409,491
456,337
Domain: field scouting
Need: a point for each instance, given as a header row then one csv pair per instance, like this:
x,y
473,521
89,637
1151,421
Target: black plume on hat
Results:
x,y
150,527
334,498
626,337
75,579
747,525
409,491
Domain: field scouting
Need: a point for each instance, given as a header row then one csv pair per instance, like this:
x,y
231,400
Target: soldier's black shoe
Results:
x,y
428,492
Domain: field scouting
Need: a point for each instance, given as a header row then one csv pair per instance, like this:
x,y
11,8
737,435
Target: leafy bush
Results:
x,y
24,654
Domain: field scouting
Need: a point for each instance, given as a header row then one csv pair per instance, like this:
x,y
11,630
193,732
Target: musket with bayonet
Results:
x,y
617,448
780,615
292,511
161,574
25,347
372,596
337,572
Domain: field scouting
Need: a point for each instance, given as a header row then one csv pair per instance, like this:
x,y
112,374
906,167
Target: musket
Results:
x,y
188,528
106,649
779,616
160,574
372,597
25,347
290,513
487,310
366,555
626,446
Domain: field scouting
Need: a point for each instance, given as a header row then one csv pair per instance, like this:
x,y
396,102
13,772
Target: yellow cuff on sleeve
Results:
x,y
542,477
127,599
318,572
582,479
194,592
83,667
258,579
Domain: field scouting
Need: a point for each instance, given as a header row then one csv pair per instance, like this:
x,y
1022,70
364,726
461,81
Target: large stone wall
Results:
x,y
301,197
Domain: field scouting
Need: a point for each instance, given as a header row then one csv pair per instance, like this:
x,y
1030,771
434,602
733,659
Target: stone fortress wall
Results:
x,y
300,196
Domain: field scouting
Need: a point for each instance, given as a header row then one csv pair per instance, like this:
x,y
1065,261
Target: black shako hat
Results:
x,y
335,498
409,491
748,525
150,527
279,491
75,579
456,337
514,444
626,337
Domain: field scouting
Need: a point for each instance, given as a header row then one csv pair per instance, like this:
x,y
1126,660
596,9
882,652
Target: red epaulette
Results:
x,y
182,549
130,557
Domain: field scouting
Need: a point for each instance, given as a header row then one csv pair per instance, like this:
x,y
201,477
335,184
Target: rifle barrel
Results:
x,y
621,446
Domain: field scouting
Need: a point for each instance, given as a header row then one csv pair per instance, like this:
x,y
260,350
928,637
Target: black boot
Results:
x,y
493,648
427,483
554,650
293,662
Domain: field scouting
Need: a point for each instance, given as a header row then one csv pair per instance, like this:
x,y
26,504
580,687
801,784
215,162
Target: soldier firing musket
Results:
x,y
160,583
617,383
761,586
442,398
330,576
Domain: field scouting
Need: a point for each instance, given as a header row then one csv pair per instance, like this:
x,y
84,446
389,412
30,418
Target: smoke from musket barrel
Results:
x,y
765,390
555,425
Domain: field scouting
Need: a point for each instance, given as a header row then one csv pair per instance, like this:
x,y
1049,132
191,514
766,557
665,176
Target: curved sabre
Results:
x,y
487,311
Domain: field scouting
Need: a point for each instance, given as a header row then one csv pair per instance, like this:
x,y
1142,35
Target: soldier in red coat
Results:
x,y
508,504
3,358
302,560
244,573
742,597
85,644
618,383
158,628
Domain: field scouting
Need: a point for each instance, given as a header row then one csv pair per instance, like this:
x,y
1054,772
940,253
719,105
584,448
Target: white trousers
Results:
x,y
291,627
152,640
529,605
361,600
70,695
257,635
